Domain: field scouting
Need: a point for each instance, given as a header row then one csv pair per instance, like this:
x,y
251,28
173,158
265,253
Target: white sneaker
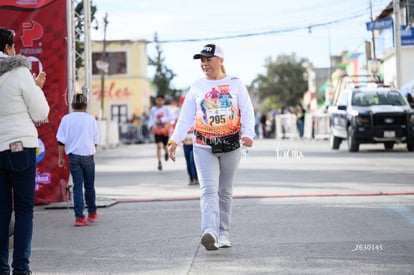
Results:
x,y
209,240
224,242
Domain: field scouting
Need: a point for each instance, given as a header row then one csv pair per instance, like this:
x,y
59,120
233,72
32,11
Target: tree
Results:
x,y
284,82
163,75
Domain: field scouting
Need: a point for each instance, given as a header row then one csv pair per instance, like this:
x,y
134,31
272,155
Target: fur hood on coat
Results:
x,y
8,63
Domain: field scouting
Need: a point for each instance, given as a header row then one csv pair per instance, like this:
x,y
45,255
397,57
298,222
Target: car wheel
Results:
x,y
353,146
334,141
410,147
389,145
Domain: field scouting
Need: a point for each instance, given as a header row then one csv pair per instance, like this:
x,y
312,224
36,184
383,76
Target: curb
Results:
x,y
258,196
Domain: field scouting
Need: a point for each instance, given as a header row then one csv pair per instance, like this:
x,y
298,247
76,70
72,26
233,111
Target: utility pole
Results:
x,y
329,49
397,41
330,53
374,57
103,71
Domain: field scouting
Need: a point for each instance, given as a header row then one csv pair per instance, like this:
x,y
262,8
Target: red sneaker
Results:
x,y
81,222
92,217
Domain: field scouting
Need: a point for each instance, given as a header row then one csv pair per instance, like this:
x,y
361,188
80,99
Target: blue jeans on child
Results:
x,y
189,158
300,123
82,169
17,184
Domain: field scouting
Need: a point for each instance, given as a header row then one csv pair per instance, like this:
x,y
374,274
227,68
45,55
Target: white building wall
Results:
x,y
389,70
407,64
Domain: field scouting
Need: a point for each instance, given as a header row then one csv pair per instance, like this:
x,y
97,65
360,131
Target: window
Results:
x,y
377,98
343,100
119,113
117,62
359,99
409,12
391,98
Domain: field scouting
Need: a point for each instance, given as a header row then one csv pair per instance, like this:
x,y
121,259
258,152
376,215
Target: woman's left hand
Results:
x,y
246,141
171,151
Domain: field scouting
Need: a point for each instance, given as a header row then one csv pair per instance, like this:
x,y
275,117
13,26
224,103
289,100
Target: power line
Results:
x,y
271,32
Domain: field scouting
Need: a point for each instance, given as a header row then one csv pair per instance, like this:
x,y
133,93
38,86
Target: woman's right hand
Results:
x,y
40,79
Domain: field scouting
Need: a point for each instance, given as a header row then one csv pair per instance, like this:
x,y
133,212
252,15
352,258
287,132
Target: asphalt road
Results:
x,y
300,208
273,167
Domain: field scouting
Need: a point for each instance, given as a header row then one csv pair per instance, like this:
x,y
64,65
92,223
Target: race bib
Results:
x,y
219,116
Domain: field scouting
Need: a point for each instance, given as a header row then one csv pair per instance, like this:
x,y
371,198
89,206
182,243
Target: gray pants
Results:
x,y
216,176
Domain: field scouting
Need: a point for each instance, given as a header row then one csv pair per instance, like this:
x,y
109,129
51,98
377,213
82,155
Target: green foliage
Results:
x,y
284,82
163,75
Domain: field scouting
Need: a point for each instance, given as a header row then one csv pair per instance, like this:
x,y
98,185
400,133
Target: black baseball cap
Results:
x,y
210,50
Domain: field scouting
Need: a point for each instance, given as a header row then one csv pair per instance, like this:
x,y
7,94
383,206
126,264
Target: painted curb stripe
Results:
x,y
258,196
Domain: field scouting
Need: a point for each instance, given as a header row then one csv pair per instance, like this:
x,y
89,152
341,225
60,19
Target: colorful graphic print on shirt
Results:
x,y
161,128
218,115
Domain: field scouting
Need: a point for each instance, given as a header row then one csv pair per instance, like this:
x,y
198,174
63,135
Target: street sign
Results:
x,y
407,35
102,65
380,24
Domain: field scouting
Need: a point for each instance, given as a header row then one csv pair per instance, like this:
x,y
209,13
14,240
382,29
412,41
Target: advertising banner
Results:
x,y
41,35
407,35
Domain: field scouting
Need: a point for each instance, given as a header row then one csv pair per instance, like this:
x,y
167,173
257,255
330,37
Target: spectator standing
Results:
x,y
300,119
145,131
263,123
78,136
282,113
257,122
272,130
23,103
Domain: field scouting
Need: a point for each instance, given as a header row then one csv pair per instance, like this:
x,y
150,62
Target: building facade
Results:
x,y
120,86
396,59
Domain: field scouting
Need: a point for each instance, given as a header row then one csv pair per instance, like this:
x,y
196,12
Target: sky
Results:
x,y
249,32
